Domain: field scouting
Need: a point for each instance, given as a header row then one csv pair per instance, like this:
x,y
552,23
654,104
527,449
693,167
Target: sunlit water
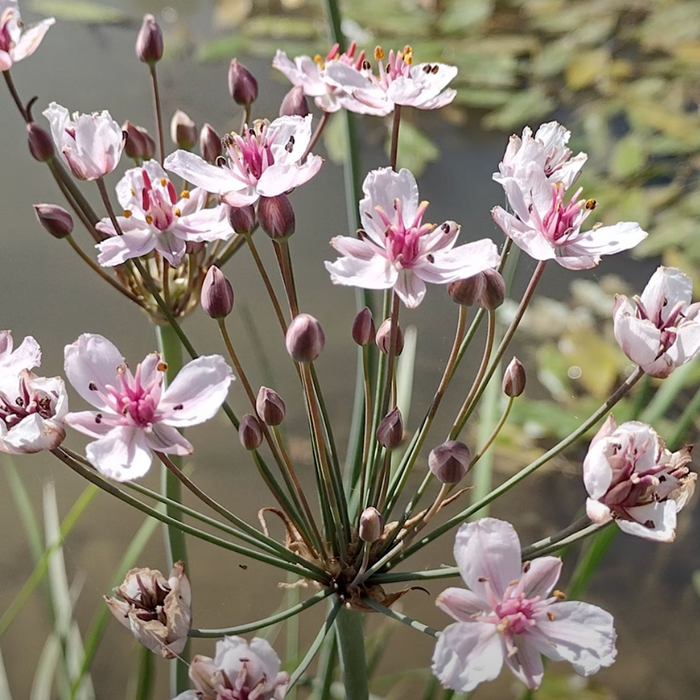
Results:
x,y
48,293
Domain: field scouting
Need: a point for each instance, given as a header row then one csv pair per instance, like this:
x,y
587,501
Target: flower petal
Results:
x,y
526,662
540,577
123,454
461,604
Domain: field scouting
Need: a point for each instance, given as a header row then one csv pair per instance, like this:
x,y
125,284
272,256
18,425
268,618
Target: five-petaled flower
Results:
x,y
262,162
536,174
157,218
16,40
399,82
90,144
238,671
659,330
511,614
156,610
309,73
632,478
396,249
135,413
32,408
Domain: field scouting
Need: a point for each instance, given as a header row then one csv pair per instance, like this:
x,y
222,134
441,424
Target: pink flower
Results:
x,y
396,249
511,615
547,149
32,408
632,478
157,218
262,162
238,671
309,73
659,330
16,40
134,413
90,144
548,228
399,82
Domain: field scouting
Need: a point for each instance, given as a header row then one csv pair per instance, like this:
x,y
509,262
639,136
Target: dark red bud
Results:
x,y
514,378
217,294
241,84
276,216
139,143
250,432
40,143
450,461
209,143
390,430
183,131
243,219
56,220
363,332
305,338
384,337
294,103
270,406
486,289
149,43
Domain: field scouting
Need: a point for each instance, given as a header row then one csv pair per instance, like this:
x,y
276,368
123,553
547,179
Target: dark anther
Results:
x,y
98,418
290,145
92,386
179,407
220,161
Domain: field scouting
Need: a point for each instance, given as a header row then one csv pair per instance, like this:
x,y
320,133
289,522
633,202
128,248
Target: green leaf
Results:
x,y
629,156
525,106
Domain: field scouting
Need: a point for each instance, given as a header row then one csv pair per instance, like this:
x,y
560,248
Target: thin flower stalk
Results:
x,y
396,123
499,426
108,205
536,548
158,113
400,617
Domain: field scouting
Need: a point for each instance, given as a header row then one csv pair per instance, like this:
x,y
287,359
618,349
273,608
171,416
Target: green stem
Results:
x,y
351,649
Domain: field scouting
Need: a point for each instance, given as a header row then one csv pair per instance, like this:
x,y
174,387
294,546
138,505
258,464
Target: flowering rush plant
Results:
x,y
182,217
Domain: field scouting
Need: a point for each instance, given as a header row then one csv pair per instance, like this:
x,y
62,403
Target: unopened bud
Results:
x,y
450,461
56,220
371,525
183,131
276,216
243,219
294,103
250,432
514,378
363,332
390,430
149,43
209,143
486,289
217,294
384,337
270,406
305,338
241,84
139,143
40,143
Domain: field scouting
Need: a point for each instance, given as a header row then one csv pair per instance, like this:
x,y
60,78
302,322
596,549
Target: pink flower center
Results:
x,y
669,327
515,614
27,401
348,57
250,154
561,223
402,244
158,203
6,42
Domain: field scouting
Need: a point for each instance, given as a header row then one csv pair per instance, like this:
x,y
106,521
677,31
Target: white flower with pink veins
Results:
x,y
633,479
399,82
90,144
32,408
157,218
18,41
135,413
659,330
264,161
396,249
512,615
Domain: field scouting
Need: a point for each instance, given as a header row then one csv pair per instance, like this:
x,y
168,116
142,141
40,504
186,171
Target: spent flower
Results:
x,y
17,41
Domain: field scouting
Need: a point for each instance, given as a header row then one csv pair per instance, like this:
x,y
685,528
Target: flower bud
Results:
x,y
242,219
486,289
371,525
183,131
194,247
250,432
209,143
156,610
384,337
217,294
149,43
450,461
363,332
270,406
390,430
305,338
514,378
241,84
276,216
56,220
40,142
139,143
294,103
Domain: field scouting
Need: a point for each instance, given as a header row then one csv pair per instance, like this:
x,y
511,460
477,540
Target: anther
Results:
x,y
162,366
92,386
127,213
590,204
379,53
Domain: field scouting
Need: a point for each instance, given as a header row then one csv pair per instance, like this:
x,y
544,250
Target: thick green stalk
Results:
x,y
351,649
